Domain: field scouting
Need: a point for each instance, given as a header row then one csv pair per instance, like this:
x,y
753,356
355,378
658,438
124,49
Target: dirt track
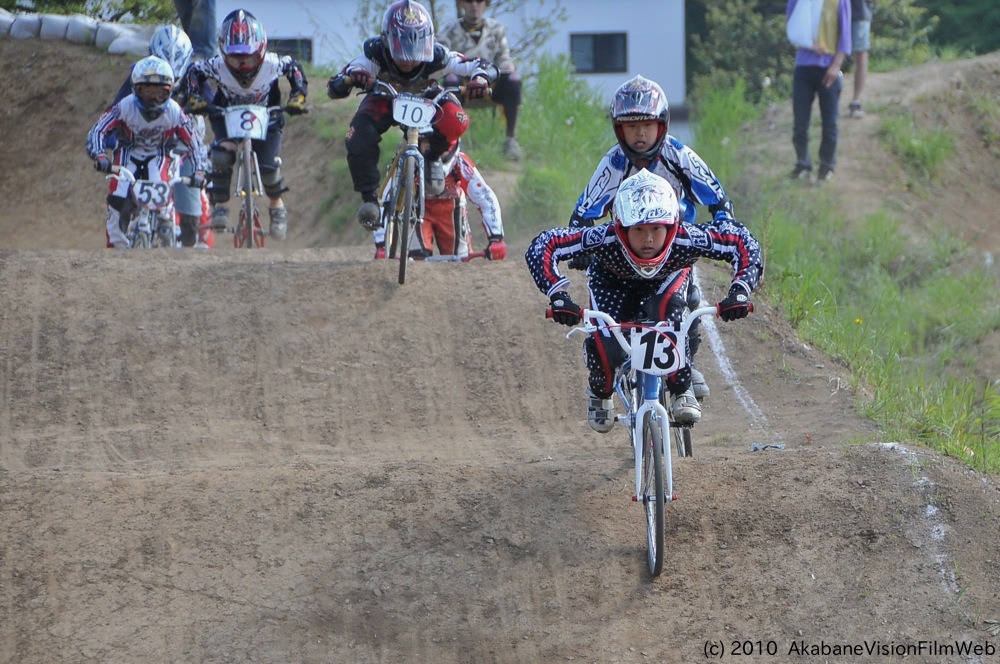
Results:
x,y
284,457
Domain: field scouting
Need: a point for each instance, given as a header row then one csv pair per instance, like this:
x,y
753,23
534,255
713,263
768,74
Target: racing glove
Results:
x,y
102,163
477,88
564,310
296,104
496,249
580,261
360,78
737,303
196,105
197,180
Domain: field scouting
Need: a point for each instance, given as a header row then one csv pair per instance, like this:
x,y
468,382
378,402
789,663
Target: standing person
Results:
x,y
246,73
143,127
640,117
198,20
477,36
817,74
642,262
406,56
861,42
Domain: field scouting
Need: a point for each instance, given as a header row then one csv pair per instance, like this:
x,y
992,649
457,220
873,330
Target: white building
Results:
x,y
608,42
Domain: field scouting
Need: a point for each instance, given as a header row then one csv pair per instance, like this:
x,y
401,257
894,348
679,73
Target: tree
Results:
x,y
139,11
966,24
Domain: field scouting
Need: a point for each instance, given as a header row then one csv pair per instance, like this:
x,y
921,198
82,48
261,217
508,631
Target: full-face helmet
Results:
x,y
172,44
408,32
152,83
640,100
645,199
243,44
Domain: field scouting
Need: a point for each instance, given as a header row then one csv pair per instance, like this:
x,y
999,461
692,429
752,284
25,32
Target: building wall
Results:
x,y
655,42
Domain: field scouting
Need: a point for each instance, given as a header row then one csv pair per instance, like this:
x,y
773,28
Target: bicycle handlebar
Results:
x,y
589,326
121,173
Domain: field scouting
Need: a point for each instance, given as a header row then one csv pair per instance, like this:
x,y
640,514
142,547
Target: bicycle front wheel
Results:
x,y
407,220
653,491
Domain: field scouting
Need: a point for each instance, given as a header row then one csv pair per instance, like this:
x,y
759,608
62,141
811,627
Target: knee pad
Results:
x,y
453,123
220,178
274,182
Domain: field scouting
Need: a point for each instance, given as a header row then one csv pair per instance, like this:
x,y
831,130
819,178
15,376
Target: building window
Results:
x,y
602,53
300,49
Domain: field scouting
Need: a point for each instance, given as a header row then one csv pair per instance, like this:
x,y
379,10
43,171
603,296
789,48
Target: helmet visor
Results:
x,y
240,59
411,45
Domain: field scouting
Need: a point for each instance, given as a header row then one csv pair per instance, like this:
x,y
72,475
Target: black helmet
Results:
x,y
408,32
640,100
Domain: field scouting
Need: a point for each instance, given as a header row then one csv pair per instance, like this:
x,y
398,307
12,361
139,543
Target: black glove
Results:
x,y
580,261
197,180
359,78
102,163
564,310
737,303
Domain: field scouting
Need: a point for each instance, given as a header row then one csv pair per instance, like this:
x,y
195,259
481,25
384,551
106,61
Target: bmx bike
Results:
x,y
150,213
403,190
654,350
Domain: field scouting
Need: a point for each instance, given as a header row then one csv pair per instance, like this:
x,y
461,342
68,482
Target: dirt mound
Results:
x,y
284,456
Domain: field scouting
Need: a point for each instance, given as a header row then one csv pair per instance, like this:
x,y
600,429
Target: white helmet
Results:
x,y
645,198
172,44
152,82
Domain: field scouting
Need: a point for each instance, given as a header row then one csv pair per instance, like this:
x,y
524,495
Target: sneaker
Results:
x,y
600,413
685,408
801,172
380,251
279,222
368,215
434,177
856,110
512,150
220,218
698,385
824,175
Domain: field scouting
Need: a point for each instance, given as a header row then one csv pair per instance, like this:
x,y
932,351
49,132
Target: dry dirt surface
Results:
x,y
283,456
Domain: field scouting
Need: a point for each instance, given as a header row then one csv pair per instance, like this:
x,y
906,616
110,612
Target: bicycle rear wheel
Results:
x,y
406,221
653,491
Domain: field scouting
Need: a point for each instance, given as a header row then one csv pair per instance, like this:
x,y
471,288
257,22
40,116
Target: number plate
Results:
x,y
152,194
413,111
658,350
247,122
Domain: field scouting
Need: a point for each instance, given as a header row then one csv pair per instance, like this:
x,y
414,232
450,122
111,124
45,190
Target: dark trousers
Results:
x,y
807,85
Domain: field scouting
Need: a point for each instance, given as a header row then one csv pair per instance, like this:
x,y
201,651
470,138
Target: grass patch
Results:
x,y
922,151
904,315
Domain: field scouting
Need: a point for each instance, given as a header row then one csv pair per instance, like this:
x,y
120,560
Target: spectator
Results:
x,y
861,42
474,35
817,74
198,20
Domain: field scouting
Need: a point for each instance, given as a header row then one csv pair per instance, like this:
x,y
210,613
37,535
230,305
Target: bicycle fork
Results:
x,y
648,393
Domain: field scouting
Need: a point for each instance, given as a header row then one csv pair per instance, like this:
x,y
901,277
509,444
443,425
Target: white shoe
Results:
x,y
685,409
698,384
600,413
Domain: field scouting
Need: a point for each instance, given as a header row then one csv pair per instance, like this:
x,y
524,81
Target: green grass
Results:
x,y
923,151
904,314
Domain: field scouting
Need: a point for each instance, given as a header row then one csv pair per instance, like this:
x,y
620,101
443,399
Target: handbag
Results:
x,y
803,23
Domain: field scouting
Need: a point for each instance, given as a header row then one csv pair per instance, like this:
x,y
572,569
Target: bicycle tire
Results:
x,y
389,219
406,221
680,436
247,233
653,492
